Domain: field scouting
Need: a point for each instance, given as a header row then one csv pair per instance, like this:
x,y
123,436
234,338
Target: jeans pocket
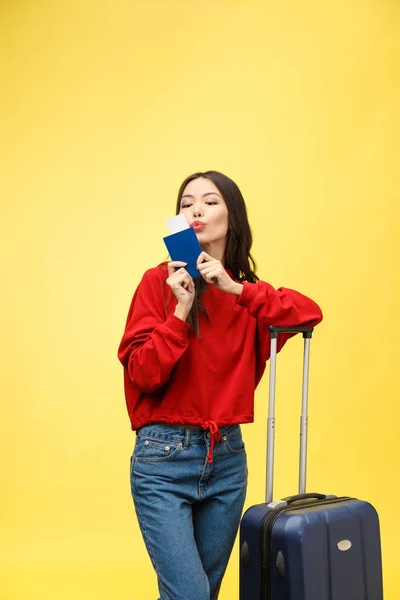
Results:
x,y
131,463
149,449
234,442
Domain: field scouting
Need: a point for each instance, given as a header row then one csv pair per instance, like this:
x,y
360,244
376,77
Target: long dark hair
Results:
x,y
238,258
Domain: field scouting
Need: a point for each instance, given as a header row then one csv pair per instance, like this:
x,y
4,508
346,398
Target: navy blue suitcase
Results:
x,y
308,546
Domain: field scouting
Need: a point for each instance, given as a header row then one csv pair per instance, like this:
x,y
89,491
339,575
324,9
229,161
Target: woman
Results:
x,y
193,353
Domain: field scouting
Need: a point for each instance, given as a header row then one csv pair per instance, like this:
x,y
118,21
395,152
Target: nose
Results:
x,y
197,212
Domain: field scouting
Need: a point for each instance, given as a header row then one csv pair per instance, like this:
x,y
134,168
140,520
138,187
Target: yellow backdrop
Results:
x,y
106,107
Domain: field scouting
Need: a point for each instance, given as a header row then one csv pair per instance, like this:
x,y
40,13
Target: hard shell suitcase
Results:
x,y
309,546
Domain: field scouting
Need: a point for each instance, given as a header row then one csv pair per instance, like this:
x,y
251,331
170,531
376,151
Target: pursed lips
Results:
x,y
197,224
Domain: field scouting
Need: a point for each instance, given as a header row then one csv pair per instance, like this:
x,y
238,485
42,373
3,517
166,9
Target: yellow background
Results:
x,y
105,108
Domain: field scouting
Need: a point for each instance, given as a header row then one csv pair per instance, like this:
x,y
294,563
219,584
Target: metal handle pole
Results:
x,y
307,334
271,423
304,419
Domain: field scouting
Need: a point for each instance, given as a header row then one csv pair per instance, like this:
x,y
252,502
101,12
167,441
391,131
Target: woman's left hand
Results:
x,y
213,272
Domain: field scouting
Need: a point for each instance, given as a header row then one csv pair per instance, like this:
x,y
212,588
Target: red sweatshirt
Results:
x,y
173,377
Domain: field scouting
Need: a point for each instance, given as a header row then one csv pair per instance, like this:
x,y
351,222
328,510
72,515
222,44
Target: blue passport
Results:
x,y
185,246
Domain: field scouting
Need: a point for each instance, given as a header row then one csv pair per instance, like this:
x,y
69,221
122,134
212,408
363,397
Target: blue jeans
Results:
x,y
188,509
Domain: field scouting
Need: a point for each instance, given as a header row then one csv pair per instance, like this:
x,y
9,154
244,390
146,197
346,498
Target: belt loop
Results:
x,y
187,439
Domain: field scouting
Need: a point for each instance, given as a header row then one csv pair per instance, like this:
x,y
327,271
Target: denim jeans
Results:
x,y
188,509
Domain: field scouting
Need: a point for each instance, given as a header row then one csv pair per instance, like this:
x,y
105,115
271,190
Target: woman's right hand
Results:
x,y
181,284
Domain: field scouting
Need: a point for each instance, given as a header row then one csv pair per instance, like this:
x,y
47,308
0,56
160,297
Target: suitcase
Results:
x,y
309,546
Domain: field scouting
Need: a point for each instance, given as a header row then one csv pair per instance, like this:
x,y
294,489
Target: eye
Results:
x,y
185,205
212,202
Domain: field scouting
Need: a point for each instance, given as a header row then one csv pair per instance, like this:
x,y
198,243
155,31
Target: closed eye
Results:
x,y
187,205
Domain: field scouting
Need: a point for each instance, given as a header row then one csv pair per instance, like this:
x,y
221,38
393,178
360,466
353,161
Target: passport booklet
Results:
x,y
183,244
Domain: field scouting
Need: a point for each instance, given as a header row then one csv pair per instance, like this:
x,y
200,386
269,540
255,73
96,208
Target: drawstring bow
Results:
x,y
215,437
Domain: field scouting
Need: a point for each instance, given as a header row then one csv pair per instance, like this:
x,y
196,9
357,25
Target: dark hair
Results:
x,y
238,245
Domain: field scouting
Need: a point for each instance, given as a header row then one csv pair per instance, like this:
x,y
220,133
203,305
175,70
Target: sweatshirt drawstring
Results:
x,y
215,437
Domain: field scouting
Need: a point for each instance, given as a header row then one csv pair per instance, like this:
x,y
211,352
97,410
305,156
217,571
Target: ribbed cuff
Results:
x,y
248,295
177,327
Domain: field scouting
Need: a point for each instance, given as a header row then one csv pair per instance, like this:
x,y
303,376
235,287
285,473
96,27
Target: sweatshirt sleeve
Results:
x,y
153,341
282,307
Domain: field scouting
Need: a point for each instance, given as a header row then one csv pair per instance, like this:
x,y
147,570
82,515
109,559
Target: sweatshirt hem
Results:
x,y
195,421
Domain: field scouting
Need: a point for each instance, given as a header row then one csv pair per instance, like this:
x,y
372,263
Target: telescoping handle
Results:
x,y
307,335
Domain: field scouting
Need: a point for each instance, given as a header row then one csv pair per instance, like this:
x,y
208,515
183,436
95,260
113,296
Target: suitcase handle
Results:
x,y
307,335
292,499
275,331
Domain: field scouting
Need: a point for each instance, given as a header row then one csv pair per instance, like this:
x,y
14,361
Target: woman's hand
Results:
x,y
213,272
182,286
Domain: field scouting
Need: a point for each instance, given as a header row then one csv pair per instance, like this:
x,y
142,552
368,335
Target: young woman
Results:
x,y
193,353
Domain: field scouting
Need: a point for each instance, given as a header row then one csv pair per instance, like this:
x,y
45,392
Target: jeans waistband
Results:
x,y
178,432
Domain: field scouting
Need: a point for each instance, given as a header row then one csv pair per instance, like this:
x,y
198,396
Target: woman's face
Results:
x,y
205,210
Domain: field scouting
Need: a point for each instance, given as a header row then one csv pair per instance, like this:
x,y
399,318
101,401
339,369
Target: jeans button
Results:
x,y
208,434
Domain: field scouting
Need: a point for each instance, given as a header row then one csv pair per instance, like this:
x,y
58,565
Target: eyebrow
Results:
x,y
204,195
